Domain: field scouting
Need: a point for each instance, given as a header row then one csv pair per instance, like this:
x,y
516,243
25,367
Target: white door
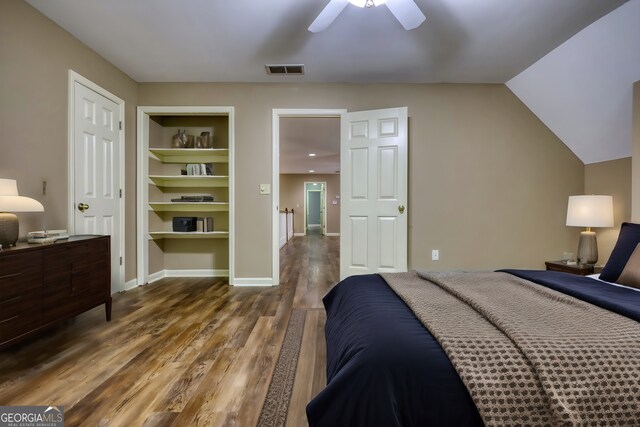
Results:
x,y
96,171
373,187
323,208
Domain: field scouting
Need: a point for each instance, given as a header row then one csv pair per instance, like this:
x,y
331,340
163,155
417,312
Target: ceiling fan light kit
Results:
x,y
406,12
367,3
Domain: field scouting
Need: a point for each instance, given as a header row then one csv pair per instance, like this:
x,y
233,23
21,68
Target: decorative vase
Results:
x,y
204,140
179,140
190,141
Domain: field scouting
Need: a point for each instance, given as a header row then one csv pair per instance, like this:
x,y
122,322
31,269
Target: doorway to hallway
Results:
x,y
315,198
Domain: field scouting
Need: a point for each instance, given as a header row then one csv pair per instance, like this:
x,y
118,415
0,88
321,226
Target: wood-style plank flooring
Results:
x,y
182,352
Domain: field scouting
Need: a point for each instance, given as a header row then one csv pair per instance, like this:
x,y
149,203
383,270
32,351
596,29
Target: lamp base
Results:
x,y
588,248
8,229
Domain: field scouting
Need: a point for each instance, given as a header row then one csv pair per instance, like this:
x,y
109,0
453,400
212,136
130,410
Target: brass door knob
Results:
x,y
401,208
83,207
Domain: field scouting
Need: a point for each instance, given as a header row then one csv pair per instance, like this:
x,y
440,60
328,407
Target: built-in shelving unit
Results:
x,y
162,179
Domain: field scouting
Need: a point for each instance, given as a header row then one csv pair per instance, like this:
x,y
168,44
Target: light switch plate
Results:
x,y
265,188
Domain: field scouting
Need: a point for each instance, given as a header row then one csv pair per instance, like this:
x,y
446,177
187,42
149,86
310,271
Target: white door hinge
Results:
x,y
120,125
121,193
120,260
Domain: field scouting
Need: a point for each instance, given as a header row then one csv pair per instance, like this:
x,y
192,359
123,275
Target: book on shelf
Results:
x,y
204,225
199,169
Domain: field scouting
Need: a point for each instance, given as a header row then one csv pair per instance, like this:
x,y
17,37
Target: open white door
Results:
x,y
96,194
373,187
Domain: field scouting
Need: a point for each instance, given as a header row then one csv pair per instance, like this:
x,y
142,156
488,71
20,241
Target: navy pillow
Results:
x,y
628,239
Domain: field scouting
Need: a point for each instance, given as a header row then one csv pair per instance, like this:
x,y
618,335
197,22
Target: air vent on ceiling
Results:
x,y
295,69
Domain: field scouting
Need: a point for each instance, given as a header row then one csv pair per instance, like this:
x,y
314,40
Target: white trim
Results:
x,y
205,272
276,114
248,281
143,114
213,273
133,283
332,234
156,276
74,77
298,234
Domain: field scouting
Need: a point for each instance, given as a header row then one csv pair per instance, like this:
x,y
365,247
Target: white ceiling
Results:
x,y
300,136
229,41
583,90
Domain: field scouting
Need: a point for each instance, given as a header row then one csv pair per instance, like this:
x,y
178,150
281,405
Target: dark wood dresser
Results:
x,y
42,284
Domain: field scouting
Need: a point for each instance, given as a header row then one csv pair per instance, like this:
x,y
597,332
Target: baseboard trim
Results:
x,y
188,273
197,273
332,234
299,234
156,276
133,283
253,281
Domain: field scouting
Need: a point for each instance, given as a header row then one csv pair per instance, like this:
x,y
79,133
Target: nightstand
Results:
x,y
579,269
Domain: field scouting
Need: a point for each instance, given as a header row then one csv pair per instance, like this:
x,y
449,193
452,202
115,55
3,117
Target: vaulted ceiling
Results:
x,y
531,45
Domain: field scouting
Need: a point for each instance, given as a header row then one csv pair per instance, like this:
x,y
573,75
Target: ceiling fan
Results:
x,y
405,11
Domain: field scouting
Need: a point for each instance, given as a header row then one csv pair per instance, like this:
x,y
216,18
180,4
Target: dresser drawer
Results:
x,y
20,313
19,272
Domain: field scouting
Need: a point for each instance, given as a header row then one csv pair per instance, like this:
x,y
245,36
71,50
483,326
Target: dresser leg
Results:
x,y
107,309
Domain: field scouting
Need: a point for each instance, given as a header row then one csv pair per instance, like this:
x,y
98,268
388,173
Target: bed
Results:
x,y
386,368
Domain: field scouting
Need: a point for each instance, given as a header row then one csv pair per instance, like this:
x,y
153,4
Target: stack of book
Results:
x,y
204,224
47,236
199,169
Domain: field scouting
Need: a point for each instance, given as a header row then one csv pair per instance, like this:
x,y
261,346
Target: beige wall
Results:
x,y
488,181
292,197
610,178
35,56
635,214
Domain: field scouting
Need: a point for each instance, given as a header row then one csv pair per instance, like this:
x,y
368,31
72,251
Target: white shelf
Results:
x,y
190,180
189,207
190,155
156,235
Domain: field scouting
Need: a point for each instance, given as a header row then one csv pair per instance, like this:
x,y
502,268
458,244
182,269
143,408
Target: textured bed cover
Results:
x,y
384,368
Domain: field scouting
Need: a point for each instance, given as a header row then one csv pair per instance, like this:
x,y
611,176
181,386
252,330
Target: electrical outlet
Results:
x,y
435,255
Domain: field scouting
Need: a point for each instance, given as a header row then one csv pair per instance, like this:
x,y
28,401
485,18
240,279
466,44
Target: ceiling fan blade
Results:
x,y
407,12
328,15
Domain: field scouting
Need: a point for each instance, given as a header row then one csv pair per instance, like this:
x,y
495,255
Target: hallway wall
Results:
x,y
292,197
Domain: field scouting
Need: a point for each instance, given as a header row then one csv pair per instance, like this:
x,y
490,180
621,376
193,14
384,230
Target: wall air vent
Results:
x,y
281,69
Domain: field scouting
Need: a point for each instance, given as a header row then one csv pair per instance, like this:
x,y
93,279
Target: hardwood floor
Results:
x,y
180,352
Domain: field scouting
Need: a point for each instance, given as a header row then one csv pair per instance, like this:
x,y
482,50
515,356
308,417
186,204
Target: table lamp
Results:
x,y
589,211
10,201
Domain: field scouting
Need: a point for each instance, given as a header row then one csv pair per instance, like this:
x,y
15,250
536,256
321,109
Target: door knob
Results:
x,y
83,207
401,208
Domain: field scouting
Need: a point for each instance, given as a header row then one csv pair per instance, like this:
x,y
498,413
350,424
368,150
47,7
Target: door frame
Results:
x,y
278,113
74,78
323,194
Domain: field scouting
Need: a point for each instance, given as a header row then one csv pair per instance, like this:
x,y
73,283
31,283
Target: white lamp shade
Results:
x,y
10,201
590,211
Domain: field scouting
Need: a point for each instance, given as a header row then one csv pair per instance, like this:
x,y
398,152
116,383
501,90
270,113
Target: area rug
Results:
x,y
276,404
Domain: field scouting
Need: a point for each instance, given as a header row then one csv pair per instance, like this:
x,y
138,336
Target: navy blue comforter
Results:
x,y
384,368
